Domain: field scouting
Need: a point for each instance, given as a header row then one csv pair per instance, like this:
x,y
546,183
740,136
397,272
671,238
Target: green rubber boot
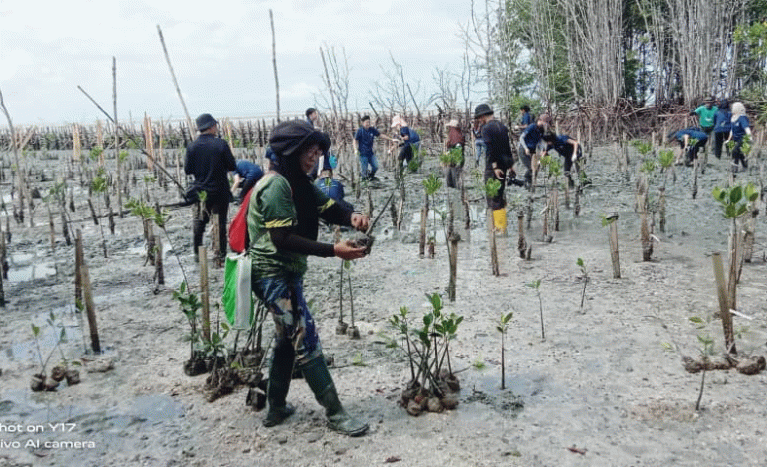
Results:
x,y
318,378
280,373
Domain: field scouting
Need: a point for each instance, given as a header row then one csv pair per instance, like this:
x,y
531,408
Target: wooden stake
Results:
x,y
493,247
90,308
205,293
453,255
53,229
158,260
724,306
614,247
78,266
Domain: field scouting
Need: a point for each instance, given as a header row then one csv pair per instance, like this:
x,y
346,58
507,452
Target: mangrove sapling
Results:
x,y
736,201
400,323
99,185
643,205
502,327
431,185
706,351
491,190
38,379
536,284
190,305
62,370
586,279
353,330
666,162
160,219
434,379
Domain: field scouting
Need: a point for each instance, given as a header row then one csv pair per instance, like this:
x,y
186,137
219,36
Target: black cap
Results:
x,y
288,137
205,121
483,109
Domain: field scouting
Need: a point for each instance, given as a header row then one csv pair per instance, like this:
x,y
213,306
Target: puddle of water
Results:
x,y
27,267
65,318
22,407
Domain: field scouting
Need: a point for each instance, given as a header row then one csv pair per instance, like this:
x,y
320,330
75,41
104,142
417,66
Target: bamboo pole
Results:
x,y
175,82
90,308
274,63
205,293
117,138
15,148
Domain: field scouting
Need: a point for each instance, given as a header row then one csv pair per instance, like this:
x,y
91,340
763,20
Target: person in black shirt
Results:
x,y
209,160
498,159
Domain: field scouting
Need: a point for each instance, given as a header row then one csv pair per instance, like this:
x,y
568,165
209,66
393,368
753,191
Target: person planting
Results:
x,y
245,177
528,143
498,160
209,160
285,208
568,148
690,151
739,128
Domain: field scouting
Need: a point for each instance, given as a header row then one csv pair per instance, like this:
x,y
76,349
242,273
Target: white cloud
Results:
x,y
221,52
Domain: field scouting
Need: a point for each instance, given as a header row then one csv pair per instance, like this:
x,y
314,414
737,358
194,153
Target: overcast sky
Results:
x,y
221,53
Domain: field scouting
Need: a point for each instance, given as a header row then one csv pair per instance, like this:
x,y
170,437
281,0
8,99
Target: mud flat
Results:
x,y
606,387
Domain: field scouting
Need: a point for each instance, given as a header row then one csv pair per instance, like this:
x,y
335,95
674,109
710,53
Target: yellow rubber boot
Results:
x,y
499,220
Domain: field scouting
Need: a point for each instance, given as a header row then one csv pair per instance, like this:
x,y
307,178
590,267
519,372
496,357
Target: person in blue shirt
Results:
x,y
690,151
363,145
245,177
525,117
332,187
312,116
529,140
721,126
410,141
739,128
567,147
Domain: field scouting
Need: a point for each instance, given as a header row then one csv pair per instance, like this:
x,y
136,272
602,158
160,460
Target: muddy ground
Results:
x,y
607,381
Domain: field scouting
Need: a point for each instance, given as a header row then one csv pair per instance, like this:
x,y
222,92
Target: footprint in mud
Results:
x,y
505,402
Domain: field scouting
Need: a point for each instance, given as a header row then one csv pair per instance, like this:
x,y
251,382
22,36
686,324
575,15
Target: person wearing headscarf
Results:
x,y
284,211
739,128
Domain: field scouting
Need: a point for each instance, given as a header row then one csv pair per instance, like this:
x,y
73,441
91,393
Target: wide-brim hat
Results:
x,y
288,137
545,118
709,100
452,123
483,109
205,121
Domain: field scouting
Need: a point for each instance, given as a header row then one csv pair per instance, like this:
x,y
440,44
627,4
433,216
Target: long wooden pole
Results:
x,y
78,266
175,81
117,137
274,63
15,148
90,307
205,294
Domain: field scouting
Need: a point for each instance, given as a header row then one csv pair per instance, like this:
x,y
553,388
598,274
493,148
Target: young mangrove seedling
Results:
x,y
735,201
706,348
536,284
502,327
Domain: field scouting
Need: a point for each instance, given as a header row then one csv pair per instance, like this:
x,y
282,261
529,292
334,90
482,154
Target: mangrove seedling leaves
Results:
x,y
35,330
